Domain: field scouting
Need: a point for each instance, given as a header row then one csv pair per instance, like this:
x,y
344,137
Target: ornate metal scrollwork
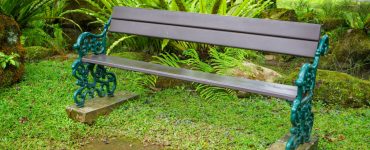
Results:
x,y
301,115
92,79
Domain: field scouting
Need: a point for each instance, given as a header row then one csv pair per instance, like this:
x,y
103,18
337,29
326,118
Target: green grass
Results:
x,y
33,117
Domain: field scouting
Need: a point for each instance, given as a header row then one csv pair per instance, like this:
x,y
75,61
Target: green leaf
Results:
x,y
165,43
3,65
115,43
203,6
12,62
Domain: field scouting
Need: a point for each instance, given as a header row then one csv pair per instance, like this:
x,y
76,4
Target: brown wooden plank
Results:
x,y
225,23
270,89
224,38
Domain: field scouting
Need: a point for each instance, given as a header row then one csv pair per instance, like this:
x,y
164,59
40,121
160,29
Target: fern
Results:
x,y
209,92
205,91
167,59
147,80
195,61
115,43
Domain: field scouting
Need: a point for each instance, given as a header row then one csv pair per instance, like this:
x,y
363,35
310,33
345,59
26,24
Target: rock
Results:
x,y
351,51
336,88
270,57
250,70
280,14
10,43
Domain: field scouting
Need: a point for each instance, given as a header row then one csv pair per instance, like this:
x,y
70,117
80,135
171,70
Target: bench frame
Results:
x,y
104,83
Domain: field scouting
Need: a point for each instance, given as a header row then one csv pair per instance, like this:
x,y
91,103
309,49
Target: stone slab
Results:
x,y
97,107
280,144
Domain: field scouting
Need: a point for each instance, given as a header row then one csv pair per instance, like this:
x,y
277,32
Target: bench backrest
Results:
x,y
300,39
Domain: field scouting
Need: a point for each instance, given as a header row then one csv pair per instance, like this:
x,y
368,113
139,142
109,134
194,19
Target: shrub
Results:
x,y
340,89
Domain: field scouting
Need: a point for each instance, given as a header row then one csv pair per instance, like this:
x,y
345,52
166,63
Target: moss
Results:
x,y
38,52
367,26
350,52
336,88
10,43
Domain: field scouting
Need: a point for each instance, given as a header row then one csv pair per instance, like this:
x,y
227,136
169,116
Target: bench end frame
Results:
x,y
301,115
101,82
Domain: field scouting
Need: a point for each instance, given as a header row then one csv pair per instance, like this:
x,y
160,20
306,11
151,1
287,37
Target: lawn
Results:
x,y
33,117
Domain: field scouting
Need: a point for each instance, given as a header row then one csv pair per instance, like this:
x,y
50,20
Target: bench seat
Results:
x,y
287,92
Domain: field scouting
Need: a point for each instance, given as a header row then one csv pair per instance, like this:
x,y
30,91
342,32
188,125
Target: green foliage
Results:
x,y
6,60
39,20
195,62
24,11
168,59
354,20
219,63
37,36
338,89
355,13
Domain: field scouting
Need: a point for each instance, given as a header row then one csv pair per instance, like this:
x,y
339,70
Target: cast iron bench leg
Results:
x,y
301,115
101,81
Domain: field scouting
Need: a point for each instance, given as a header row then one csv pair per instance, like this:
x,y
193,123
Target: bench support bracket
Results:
x,y
92,79
301,115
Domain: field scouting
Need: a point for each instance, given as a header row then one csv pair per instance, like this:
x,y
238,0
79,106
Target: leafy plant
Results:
x,y
218,63
354,20
168,59
24,11
5,60
39,21
194,61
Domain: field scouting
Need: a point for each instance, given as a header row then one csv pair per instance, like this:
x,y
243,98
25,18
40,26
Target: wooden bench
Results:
x,y
298,39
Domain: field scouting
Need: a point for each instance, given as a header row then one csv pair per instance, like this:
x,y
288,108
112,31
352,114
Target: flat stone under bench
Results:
x,y
98,106
281,143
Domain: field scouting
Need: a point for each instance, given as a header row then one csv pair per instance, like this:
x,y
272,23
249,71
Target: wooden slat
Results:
x,y
270,89
225,23
224,38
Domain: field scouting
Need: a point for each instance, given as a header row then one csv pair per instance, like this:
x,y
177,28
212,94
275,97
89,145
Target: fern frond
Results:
x,y
209,92
167,59
115,43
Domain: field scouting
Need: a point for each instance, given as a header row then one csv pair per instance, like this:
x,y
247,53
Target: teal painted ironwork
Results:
x,y
101,82
301,115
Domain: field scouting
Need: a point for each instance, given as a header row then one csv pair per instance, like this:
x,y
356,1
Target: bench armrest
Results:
x,y
301,115
96,43
323,46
